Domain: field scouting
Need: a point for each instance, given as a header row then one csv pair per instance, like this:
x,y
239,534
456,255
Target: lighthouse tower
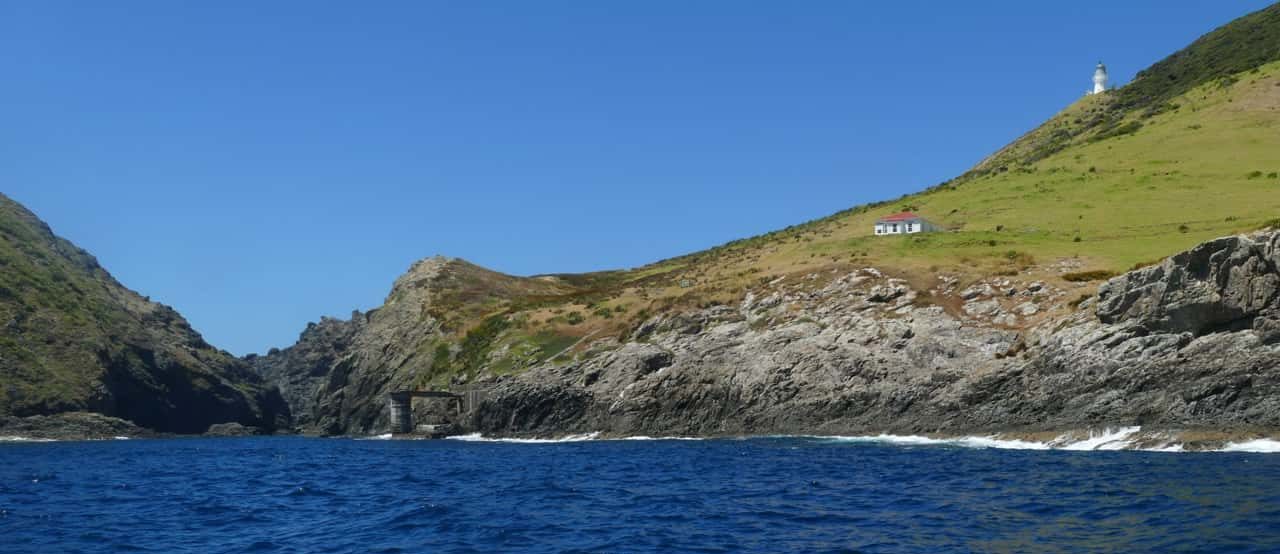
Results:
x,y
1100,78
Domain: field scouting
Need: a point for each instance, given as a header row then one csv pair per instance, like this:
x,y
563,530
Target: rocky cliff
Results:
x,y
1183,345
1186,344
337,376
1189,343
74,339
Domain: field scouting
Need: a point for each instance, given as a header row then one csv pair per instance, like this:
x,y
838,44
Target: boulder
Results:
x,y
231,429
1223,284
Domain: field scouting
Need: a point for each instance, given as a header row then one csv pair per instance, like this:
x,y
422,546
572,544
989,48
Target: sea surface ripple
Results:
x,y
795,494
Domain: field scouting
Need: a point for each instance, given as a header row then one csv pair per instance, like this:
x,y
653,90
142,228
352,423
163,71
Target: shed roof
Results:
x,y
901,216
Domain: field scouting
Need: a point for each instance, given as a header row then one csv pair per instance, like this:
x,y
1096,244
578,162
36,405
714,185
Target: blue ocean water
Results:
x,y
279,494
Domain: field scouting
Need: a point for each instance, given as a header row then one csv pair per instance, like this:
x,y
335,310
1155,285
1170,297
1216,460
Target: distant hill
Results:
x,y
74,339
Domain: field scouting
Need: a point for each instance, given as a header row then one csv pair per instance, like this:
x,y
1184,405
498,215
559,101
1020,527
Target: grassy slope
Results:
x,y
1186,175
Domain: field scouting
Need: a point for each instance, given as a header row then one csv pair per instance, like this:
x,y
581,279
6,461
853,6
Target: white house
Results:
x,y
905,222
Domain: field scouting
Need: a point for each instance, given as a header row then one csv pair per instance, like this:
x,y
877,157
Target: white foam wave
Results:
x,y
1256,445
1123,438
477,437
646,438
24,439
970,442
1109,439
382,437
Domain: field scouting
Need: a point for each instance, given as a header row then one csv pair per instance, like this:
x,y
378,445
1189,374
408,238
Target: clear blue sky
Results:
x,y
259,164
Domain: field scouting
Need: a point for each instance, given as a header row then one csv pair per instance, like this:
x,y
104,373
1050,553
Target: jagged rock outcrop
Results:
x,y
299,370
74,339
337,377
1184,344
71,426
1224,284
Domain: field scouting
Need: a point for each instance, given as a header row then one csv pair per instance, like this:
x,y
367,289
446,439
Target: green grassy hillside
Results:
x,y
1189,150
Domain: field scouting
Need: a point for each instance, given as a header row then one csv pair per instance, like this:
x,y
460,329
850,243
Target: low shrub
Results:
x,y
1086,276
1147,263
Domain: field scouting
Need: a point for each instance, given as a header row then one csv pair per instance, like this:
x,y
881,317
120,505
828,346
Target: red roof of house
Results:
x,y
903,216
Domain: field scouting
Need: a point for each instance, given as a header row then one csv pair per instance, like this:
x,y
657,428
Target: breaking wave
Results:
x,y
24,439
1120,438
477,437
916,440
1256,445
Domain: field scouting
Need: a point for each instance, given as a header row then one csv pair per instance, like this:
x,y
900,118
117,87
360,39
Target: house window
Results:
x,y
895,227
909,227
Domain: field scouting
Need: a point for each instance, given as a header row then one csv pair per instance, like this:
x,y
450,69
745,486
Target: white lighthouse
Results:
x,y
1100,78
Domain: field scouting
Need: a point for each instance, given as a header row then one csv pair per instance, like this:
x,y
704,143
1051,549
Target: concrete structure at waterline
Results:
x,y
400,405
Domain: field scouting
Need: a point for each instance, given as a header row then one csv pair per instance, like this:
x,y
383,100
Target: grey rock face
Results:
x,y
71,426
337,377
299,370
1223,284
852,355
1180,345
231,430
1186,344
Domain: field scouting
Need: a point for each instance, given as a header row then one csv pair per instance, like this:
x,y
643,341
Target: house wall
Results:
x,y
909,226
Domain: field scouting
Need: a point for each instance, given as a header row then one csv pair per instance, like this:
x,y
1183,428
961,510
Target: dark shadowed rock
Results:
x,y
71,426
73,339
231,430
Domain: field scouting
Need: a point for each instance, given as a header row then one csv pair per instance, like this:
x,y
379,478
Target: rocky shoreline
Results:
x,y
1190,343
83,426
72,426
1185,353
79,426
1104,439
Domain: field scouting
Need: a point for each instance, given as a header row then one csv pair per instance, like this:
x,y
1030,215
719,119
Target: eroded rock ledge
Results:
x,y
1186,344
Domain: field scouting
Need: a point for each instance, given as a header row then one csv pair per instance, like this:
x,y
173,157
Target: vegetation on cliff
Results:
x,y
74,339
